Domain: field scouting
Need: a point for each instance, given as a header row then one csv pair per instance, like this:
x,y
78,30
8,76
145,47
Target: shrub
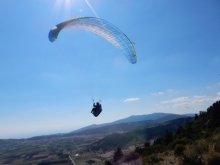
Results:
x,y
107,162
217,139
191,160
192,150
179,149
152,159
217,131
215,160
179,141
90,161
202,146
131,157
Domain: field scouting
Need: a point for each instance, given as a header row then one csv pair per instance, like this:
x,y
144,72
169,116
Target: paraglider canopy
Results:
x,y
102,28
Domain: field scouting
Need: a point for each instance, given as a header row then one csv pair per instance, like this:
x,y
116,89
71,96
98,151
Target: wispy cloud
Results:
x,y
131,99
158,93
170,90
177,100
167,91
191,101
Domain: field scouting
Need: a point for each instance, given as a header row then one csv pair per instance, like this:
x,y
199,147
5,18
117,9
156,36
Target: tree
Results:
x,y
117,155
196,117
168,137
107,162
215,113
146,144
158,141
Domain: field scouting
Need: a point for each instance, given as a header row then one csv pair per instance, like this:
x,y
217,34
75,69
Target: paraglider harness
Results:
x,y
97,109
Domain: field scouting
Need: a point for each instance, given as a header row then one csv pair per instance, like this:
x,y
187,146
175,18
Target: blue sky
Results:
x,y
48,87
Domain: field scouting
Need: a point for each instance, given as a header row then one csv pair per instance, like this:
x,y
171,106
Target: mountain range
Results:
x,y
152,119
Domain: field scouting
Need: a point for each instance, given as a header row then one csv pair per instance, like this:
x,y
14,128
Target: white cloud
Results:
x,y
131,99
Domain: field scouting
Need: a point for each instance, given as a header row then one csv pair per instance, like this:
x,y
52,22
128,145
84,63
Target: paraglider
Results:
x,y
97,109
104,29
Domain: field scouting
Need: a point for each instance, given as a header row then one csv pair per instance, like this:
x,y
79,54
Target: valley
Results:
x,y
88,146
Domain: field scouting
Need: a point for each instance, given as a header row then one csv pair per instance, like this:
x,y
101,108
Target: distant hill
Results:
x,y
108,129
172,117
131,124
136,118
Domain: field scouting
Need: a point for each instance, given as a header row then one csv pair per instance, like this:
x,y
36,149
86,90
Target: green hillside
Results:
x,y
195,143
